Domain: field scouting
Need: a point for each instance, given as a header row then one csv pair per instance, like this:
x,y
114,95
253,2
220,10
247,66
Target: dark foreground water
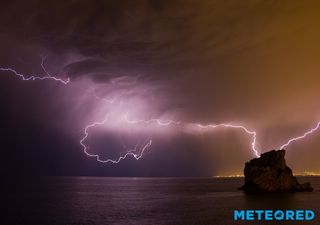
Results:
x,y
140,201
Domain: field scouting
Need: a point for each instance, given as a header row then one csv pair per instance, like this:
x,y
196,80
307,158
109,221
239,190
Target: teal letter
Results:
x,y
309,215
259,214
268,215
250,215
278,215
289,215
238,215
299,215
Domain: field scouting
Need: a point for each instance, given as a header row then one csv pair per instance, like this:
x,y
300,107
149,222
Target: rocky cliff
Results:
x,y
269,173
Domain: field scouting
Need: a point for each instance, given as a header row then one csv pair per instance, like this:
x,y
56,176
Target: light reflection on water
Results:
x,y
96,200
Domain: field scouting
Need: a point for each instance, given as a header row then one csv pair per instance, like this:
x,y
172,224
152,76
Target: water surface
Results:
x,y
140,201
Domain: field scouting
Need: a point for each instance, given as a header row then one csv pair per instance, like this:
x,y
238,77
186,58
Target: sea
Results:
x,y
142,201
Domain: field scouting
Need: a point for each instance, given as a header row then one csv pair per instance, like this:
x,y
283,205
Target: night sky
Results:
x,y
252,63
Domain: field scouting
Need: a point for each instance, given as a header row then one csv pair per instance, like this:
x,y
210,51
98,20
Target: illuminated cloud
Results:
x,y
248,63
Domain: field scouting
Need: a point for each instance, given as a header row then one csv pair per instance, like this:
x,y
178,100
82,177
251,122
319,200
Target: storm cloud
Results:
x,y
253,63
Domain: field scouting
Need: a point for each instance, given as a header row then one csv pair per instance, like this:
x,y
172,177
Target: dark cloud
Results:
x,y
248,62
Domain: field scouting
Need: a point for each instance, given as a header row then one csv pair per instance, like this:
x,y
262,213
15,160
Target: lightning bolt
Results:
x,y
131,152
48,76
301,137
138,151
135,153
32,77
253,134
157,121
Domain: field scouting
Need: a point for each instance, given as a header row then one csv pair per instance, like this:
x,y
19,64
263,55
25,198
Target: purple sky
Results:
x,y
249,63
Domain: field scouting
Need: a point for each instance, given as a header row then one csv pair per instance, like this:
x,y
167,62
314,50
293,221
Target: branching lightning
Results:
x,y
132,152
32,77
138,151
48,76
301,137
253,134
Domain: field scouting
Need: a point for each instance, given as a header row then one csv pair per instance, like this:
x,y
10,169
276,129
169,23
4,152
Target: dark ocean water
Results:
x,y
140,201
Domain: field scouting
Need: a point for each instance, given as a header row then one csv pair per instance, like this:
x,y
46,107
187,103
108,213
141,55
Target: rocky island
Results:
x,y
269,173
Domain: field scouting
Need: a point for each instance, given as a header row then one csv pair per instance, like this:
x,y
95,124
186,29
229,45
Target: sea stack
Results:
x,y
269,173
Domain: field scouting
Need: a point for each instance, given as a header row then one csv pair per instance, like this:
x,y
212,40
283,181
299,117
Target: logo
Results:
x,y
285,215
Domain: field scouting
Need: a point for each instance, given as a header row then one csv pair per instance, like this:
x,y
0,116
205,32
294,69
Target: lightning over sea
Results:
x,y
159,112
139,150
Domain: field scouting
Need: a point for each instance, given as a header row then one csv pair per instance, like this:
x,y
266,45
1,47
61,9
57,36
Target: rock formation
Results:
x,y
269,173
